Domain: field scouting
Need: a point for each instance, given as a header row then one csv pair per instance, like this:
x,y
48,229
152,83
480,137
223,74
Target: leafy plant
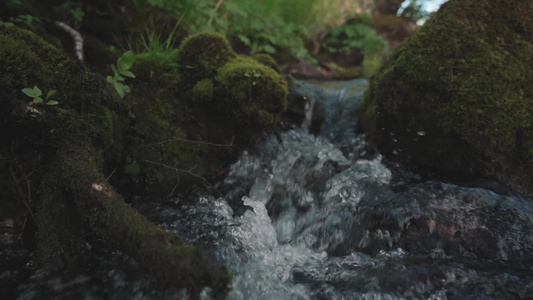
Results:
x,y
35,93
78,14
254,75
10,4
124,64
25,19
356,36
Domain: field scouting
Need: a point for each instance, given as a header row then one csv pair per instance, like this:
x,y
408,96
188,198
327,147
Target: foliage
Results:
x,y
12,4
414,10
78,14
358,36
27,20
268,26
36,94
152,42
124,64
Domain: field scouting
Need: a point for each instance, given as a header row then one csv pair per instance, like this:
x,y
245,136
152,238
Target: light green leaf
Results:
x,y
126,61
115,70
244,39
269,49
128,74
110,79
119,87
126,88
37,100
50,94
52,102
35,92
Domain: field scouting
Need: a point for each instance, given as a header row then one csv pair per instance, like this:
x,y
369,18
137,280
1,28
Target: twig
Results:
x,y
76,36
22,197
107,179
188,141
219,3
179,170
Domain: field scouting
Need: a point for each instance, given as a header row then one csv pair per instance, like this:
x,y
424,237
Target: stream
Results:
x,y
307,216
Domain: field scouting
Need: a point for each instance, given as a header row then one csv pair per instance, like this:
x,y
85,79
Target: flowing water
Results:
x,y
308,216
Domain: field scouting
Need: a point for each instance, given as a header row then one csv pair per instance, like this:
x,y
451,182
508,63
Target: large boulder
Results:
x,y
458,96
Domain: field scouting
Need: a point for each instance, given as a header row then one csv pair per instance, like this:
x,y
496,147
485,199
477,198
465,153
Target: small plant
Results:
x,y
78,14
124,63
10,4
254,74
356,36
26,19
36,94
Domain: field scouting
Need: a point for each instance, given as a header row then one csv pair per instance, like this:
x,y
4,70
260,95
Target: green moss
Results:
x,y
267,60
199,56
155,59
28,61
132,169
467,73
203,90
258,92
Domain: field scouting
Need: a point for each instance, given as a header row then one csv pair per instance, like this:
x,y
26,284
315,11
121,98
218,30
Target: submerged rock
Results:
x,y
457,97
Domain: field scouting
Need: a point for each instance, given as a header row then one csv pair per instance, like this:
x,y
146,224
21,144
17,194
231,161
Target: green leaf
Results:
x,y
37,100
115,70
128,74
29,92
269,49
119,87
244,39
110,79
35,92
50,94
126,88
125,62
52,102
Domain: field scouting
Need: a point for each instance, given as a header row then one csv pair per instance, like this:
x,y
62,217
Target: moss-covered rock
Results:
x,y
267,60
242,97
199,56
203,90
59,155
458,96
193,111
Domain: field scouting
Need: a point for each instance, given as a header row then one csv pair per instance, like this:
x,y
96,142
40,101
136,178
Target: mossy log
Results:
x,y
165,255
60,153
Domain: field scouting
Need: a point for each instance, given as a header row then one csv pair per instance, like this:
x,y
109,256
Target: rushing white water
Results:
x,y
319,217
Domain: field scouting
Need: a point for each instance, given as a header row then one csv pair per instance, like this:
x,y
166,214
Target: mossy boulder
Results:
x,y
458,96
193,111
267,60
241,97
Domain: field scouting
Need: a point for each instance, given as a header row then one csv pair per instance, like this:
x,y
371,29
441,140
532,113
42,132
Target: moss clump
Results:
x,y
464,79
27,61
267,60
199,56
203,90
255,93
247,96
